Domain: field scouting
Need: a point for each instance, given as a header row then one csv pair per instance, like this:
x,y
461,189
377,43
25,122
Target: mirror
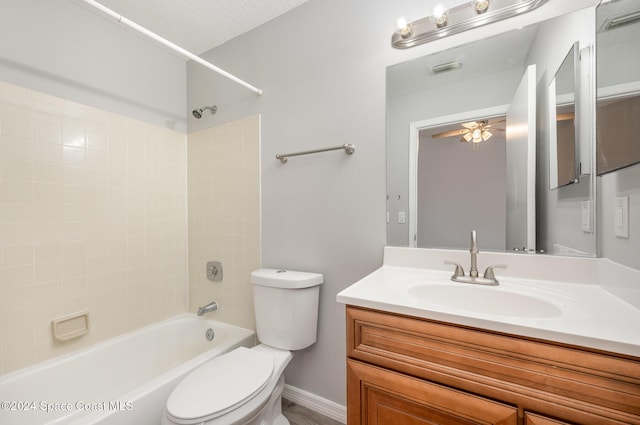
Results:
x,y
444,209
563,152
618,81
480,76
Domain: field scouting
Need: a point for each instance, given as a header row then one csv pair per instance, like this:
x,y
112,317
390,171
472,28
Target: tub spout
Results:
x,y
212,306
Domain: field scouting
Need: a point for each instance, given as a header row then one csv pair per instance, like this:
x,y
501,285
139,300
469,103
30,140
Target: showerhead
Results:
x,y
198,112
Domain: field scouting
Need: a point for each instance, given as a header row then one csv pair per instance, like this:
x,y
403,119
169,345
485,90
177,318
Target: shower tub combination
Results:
x,y
123,381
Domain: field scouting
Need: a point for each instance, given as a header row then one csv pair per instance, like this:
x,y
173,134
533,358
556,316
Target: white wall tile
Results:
x,y
80,192
222,225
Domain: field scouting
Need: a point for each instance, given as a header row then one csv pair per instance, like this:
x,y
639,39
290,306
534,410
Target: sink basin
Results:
x,y
484,300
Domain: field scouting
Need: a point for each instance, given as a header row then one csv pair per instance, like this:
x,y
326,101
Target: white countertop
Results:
x,y
584,314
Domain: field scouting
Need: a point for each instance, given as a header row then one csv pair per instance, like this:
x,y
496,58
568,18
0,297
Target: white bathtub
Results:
x,y
125,380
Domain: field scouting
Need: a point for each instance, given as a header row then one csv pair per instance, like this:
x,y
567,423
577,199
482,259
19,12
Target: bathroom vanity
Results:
x,y
545,352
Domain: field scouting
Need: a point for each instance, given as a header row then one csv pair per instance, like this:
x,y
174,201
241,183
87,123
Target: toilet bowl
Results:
x,y
239,387
244,386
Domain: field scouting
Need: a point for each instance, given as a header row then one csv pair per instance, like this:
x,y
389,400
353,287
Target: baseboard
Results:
x,y
316,403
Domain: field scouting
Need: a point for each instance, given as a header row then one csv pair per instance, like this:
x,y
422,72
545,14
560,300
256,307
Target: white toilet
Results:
x,y
244,386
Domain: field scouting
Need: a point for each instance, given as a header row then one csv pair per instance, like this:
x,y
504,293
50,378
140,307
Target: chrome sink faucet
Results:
x,y
473,271
489,277
212,306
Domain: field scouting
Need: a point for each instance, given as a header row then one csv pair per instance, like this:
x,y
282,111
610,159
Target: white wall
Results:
x,y
322,69
67,49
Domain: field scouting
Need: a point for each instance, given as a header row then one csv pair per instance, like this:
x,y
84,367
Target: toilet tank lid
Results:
x,y
288,279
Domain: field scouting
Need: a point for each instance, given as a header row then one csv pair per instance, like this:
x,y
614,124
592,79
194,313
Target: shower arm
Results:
x,y
172,46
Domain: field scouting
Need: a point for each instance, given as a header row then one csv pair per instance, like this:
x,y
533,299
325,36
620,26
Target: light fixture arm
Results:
x,y
461,18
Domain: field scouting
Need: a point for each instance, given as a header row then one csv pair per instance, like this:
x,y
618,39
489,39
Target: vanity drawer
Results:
x,y
382,397
575,384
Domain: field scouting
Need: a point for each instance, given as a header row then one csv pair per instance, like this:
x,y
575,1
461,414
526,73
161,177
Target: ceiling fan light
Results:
x,y
467,137
486,135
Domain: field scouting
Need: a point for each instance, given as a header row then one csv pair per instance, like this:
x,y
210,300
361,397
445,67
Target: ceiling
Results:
x,y
200,25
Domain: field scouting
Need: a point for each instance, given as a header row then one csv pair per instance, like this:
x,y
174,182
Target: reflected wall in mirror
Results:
x,y
482,75
564,162
468,168
618,104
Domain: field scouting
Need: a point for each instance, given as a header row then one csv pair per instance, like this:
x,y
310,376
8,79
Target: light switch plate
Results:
x,y
402,217
621,217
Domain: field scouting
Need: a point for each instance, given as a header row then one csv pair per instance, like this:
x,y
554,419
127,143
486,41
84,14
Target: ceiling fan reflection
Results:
x,y
473,131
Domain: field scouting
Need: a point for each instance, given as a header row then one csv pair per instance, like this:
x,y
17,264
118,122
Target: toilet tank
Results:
x,y
286,307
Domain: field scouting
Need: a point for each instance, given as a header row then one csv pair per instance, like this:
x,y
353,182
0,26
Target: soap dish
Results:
x,y
70,326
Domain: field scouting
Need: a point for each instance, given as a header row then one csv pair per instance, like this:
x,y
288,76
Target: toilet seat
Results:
x,y
220,385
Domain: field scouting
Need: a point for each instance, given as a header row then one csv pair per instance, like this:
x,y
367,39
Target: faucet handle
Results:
x,y
459,271
488,273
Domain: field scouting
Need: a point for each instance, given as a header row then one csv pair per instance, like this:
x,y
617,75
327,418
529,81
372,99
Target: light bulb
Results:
x,y
404,27
402,22
438,11
480,6
439,15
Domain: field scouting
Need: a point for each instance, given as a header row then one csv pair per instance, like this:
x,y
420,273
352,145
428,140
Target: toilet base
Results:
x,y
281,420
271,414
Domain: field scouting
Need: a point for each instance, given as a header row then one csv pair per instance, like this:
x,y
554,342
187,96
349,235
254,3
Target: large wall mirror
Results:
x,y
618,104
498,185
618,124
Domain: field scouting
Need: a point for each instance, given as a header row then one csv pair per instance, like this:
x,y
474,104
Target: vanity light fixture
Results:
x,y
619,21
442,22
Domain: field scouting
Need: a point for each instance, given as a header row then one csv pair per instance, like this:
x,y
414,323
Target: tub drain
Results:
x,y
209,334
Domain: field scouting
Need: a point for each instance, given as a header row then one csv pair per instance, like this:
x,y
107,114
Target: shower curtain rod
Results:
x,y
171,45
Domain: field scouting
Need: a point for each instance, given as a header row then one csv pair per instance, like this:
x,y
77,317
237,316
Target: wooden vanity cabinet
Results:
x,y
404,370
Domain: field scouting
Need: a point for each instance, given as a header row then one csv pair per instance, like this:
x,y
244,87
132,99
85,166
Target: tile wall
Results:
x,y
93,215
224,217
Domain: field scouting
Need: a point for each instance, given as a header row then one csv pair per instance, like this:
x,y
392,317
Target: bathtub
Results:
x,y
125,380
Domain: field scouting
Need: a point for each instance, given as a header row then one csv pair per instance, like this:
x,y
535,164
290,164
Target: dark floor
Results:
x,y
299,415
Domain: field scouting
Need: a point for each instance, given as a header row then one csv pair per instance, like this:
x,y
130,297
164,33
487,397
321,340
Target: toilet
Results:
x,y
244,386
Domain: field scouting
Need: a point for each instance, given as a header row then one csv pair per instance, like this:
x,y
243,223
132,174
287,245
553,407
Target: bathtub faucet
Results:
x,y
212,306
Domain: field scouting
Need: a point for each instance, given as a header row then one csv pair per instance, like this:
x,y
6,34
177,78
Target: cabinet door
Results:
x,y
378,396
533,419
